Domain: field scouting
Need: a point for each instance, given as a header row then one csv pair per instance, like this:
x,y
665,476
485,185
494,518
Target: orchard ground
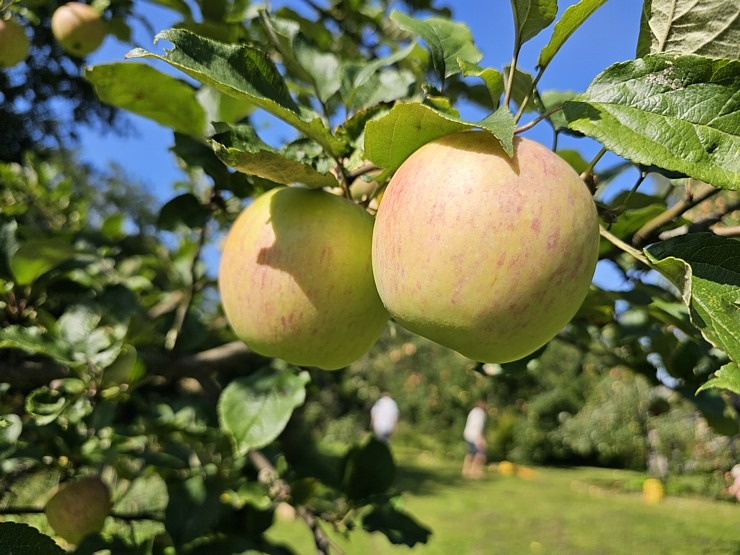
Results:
x,y
569,511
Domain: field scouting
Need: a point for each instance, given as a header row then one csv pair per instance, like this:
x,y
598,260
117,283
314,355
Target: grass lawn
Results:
x,y
552,511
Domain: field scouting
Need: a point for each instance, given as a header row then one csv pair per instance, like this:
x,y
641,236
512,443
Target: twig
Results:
x,y
629,249
269,476
733,231
647,231
174,332
538,119
524,103
512,71
26,375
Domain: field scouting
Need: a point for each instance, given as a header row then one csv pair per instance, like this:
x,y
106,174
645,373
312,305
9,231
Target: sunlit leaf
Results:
x,y
409,126
11,427
244,72
706,270
492,78
35,340
255,409
239,147
572,18
45,405
680,113
148,92
709,28
37,256
532,16
448,41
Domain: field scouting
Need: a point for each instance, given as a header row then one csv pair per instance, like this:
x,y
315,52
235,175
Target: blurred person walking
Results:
x,y
473,434
384,417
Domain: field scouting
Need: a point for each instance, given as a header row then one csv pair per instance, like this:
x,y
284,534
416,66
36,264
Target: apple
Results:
x,y
78,508
485,254
296,281
14,43
78,27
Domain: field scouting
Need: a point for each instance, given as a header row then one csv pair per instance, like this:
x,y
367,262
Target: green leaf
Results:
x,y
35,341
679,113
448,41
148,92
368,470
706,270
552,99
364,84
522,87
375,65
382,86
243,72
399,527
77,324
409,126
37,256
11,427
185,210
727,377
21,539
531,17
492,78
44,405
239,147
572,18
255,409
192,510
708,28
322,67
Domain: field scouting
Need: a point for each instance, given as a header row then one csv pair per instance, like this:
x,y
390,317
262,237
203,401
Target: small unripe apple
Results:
x,y
296,278
14,43
78,27
485,254
78,508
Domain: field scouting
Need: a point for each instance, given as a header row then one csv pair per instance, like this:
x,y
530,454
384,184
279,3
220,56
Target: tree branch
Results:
x,y
280,491
649,231
28,374
707,224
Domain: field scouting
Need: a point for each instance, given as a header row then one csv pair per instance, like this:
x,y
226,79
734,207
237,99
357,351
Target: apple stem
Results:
x,y
586,174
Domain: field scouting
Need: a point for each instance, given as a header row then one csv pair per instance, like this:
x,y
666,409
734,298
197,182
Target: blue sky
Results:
x,y
609,36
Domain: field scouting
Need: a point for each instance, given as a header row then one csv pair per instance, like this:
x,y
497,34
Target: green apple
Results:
x,y
78,28
78,508
488,255
14,43
296,278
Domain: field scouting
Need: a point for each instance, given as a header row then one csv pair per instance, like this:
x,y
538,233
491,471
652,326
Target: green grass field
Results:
x,y
579,511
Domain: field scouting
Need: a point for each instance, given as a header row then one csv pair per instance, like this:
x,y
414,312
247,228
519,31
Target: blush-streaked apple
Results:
x,y
78,27
488,255
79,508
296,281
14,43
